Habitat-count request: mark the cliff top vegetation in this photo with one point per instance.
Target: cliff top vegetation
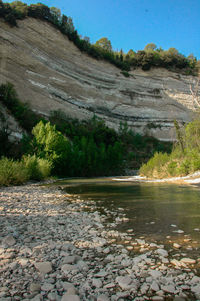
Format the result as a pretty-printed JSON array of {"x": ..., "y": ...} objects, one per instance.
[{"x": 151, "y": 56}]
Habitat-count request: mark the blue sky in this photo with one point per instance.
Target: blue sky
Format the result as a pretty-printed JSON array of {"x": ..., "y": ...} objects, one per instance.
[{"x": 131, "y": 24}]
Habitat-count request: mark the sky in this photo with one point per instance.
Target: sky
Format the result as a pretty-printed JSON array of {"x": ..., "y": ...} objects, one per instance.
[{"x": 132, "y": 24}]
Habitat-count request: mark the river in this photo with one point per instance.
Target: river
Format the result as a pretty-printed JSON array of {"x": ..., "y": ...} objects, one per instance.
[{"x": 156, "y": 212}]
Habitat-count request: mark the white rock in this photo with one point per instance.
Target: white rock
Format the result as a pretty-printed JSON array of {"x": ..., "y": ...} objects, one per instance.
[
  {"x": 176, "y": 262},
  {"x": 188, "y": 260},
  {"x": 162, "y": 252},
  {"x": 178, "y": 231},
  {"x": 177, "y": 246}
]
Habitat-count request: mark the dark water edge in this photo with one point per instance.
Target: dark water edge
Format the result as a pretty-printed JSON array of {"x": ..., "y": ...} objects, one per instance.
[{"x": 156, "y": 212}]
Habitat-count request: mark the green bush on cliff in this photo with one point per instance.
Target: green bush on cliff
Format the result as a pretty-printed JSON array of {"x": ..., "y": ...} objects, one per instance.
[{"x": 147, "y": 58}]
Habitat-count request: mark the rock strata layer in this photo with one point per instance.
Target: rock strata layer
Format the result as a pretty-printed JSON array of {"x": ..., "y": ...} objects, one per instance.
[{"x": 51, "y": 73}]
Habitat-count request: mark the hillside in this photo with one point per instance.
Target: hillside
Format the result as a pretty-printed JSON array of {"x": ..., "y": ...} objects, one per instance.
[{"x": 51, "y": 73}]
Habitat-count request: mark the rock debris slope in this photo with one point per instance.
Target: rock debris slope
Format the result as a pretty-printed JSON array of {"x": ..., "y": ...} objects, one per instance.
[{"x": 50, "y": 73}]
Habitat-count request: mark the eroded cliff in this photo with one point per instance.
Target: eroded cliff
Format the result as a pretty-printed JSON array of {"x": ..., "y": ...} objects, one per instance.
[{"x": 50, "y": 73}]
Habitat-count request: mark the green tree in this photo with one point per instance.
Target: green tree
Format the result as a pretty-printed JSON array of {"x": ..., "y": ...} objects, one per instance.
[
  {"x": 150, "y": 47},
  {"x": 50, "y": 144},
  {"x": 104, "y": 43}
]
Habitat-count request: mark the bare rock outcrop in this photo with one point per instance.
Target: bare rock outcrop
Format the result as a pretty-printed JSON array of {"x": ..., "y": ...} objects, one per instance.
[{"x": 50, "y": 73}]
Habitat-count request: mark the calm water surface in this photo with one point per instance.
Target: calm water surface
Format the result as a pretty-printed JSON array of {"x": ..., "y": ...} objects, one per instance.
[{"x": 152, "y": 208}]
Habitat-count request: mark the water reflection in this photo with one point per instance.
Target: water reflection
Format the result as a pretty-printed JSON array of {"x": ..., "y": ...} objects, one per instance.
[{"x": 151, "y": 208}]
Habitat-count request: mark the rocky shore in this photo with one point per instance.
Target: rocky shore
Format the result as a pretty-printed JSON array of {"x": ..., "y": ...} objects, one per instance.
[{"x": 54, "y": 246}]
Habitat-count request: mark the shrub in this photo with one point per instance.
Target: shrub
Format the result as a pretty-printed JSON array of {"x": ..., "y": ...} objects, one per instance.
[
  {"x": 12, "y": 172},
  {"x": 37, "y": 168}
]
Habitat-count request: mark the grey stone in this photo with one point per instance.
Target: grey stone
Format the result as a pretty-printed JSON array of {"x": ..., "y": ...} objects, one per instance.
[
  {"x": 69, "y": 259},
  {"x": 43, "y": 267},
  {"x": 124, "y": 282},
  {"x": 97, "y": 283},
  {"x": 67, "y": 297},
  {"x": 154, "y": 286},
  {"x": 69, "y": 267},
  {"x": 47, "y": 287},
  {"x": 9, "y": 241},
  {"x": 102, "y": 298},
  {"x": 35, "y": 287},
  {"x": 155, "y": 274},
  {"x": 168, "y": 288}
]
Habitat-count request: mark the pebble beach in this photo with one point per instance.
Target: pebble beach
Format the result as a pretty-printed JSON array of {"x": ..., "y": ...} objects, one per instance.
[{"x": 55, "y": 246}]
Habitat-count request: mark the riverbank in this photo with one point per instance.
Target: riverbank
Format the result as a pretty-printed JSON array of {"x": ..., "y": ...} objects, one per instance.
[
  {"x": 55, "y": 246},
  {"x": 193, "y": 179}
]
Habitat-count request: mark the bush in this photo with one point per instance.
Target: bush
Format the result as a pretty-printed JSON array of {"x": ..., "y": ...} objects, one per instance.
[
  {"x": 12, "y": 172},
  {"x": 37, "y": 168}
]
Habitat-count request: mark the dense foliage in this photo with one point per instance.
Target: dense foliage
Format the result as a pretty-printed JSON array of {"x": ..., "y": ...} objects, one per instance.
[
  {"x": 69, "y": 147},
  {"x": 183, "y": 160},
  {"x": 151, "y": 56},
  {"x": 22, "y": 113}
]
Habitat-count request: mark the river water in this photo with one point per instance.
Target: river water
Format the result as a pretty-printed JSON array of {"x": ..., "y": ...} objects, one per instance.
[{"x": 162, "y": 213}]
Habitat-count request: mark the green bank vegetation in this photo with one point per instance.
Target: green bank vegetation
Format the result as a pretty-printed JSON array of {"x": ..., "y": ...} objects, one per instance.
[
  {"x": 183, "y": 160},
  {"x": 66, "y": 147},
  {"x": 151, "y": 56}
]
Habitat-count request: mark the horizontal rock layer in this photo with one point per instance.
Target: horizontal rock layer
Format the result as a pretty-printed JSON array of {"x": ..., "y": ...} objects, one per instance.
[{"x": 51, "y": 73}]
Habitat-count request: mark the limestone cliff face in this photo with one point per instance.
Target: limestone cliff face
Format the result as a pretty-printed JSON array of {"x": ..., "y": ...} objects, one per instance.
[{"x": 50, "y": 73}]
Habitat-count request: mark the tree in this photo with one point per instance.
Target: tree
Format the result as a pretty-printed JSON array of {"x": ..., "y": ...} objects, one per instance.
[
  {"x": 150, "y": 47},
  {"x": 104, "y": 43},
  {"x": 55, "y": 15},
  {"x": 21, "y": 9},
  {"x": 50, "y": 144}
]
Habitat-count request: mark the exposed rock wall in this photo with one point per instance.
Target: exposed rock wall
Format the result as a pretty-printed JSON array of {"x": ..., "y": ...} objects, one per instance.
[{"x": 50, "y": 73}]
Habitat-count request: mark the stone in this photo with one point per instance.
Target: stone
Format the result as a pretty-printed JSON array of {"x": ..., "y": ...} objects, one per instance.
[
  {"x": 69, "y": 267},
  {"x": 162, "y": 252},
  {"x": 124, "y": 282},
  {"x": 35, "y": 287},
  {"x": 102, "y": 298},
  {"x": 100, "y": 274},
  {"x": 69, "y": 259},
  {"x": 67, "y": 297},
  {"x": 157, "y": 298},
  {"x": 188, "y": 260},
  {"x": 168, "y": 288},
  {"x": 97, "y": 283},
  {"x": 154, "y": 286},
  {"x": 155, "y": 274},
  {"x": 53, "y": 297},
  {"x": 196, "y": 289},
  {"x": 47, "y": 287},
  {"x": 66, "y": 285},
  {"x": 43, "y": 267},
  {"x": 177, "y": 246},
  {"x": 9, "y": 241}
]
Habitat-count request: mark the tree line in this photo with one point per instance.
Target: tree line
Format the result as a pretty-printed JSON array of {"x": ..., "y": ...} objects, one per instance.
[{"x": 151, "y": 56}]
